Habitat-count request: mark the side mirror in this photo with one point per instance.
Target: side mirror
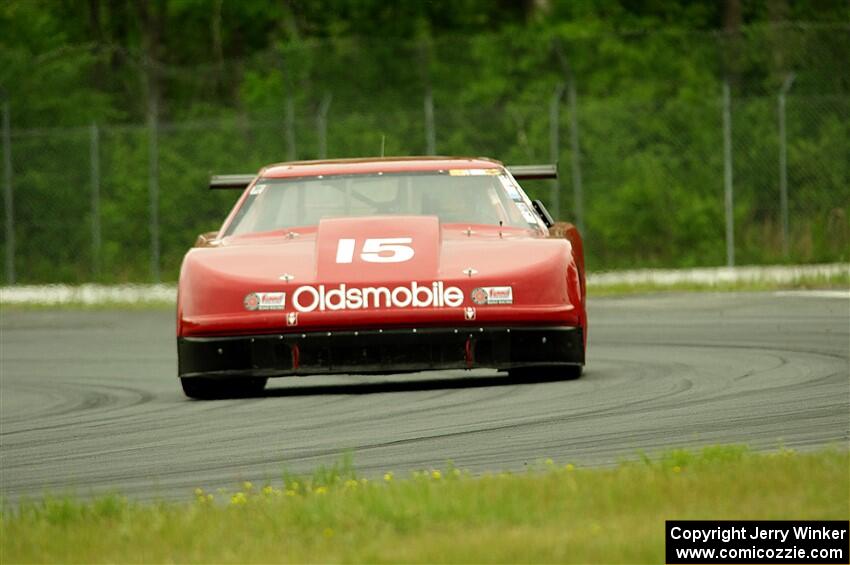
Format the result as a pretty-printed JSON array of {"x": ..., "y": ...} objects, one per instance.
[
  {"x": 206, "y": 239},
  {"x": 543, "y": 213}
]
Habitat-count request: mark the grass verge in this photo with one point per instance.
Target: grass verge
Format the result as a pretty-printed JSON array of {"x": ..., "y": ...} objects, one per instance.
[
  {"x": 555, "y": 513},
  {"x": 832, "y": 282}
]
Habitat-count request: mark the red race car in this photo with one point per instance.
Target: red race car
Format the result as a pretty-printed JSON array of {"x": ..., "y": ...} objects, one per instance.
[{"x": 386, "y": 265}]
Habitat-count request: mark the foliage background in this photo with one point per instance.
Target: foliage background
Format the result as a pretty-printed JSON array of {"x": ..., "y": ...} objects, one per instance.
[{"x": 225, "y": 86}]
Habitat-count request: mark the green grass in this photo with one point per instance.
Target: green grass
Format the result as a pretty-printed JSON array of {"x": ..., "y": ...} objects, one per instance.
[{"x": 553, "y": 513}]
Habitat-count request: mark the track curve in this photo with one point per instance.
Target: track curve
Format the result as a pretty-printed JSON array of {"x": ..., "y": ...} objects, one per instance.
[{"x": 89, "y": 401}]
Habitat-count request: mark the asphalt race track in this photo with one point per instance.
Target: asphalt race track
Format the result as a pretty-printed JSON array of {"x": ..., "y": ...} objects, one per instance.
[{"x": 89, "y": 400}]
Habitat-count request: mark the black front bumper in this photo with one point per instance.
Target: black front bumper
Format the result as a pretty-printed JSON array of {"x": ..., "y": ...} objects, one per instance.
[{"x": 379, "y": 351}]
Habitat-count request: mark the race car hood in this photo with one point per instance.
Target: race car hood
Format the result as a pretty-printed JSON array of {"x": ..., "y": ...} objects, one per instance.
[{"x": 371, "y": 272}]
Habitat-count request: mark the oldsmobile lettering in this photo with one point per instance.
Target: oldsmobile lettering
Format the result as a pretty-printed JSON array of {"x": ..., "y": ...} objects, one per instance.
[{"x": 309, "y": 298}]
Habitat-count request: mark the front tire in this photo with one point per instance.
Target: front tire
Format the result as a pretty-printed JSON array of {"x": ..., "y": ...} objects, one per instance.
[{"x": 208, "y": 389}]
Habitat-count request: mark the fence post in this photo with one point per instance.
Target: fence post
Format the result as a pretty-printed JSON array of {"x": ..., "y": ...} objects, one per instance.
[
  {"x": 94, "y": 160},
  {"x": 322, "y": 124},
  {"x": 153, "y": 186},
  {"x": 289, "y": 125},
  {"x": 555, "y": 147},
  {"x": 575, "y": 153},
  {"x": 727, "y": 175},
  {"x": 8, "y": 197},
  {"x": 430, "y": 134},
  {"x": 783, "y": 163}
]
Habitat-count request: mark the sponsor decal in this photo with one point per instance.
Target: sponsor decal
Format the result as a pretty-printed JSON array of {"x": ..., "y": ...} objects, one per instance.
[
  {"x": 251, "y": 301},
  {"x": 479, "y": 296},
  {"x": 469, "y": 313},
  {"x": 257, "y": 189},
  {"x": 414, "y": 295},
  {"x": 527, "y": 213},
  {"x": 510, "y": 188},
  {"x": 265, "y": 301},
  {"x": 292, "y": 319},
  {"x": 493, "y": 295},
  {"x": 473, "y": 172}
]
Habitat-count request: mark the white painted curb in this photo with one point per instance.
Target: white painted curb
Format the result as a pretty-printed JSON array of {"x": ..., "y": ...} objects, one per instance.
[
  {"x": 95, "y": 294},
  {"x": 89, "y": 294},
  {"x": 781, "y": 274}
]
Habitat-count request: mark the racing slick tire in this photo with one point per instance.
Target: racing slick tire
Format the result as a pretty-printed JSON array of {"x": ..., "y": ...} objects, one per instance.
[
  {"x": 202, "y": 388},
  {"x": 554, "y": 373}
]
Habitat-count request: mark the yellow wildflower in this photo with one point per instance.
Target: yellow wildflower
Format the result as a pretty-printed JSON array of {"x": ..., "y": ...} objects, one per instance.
[
  {"x": 436, "y": 474},
  {"x": 247, "y": 485},
  {"x": 388, "y": 476},
  {"x": 290, "y": 492},
  {"x": 199, "y": 491},
  {"x": 322, "y": 490},
  {"x": 238, "y": 498},
  {"x": 267, "y": 490},
  {"x": 570, "y": 467},
  {"x": 677, "y": 469}
]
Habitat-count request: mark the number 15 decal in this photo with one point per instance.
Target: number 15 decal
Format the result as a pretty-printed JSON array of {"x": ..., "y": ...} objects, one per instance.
[{"x": 380, "y": 250}]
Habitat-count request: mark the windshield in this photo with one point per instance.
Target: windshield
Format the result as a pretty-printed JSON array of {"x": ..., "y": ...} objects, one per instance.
[{"x": 462, "y": 196}]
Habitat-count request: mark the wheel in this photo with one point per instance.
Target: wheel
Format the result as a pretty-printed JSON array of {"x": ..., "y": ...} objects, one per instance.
[
  {"x": 207, "y": 389},
  {"x": 547, "y": 373}
]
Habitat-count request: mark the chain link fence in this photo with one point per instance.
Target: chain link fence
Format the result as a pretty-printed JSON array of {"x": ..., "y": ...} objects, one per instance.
[{"x": 645, "y": 176}]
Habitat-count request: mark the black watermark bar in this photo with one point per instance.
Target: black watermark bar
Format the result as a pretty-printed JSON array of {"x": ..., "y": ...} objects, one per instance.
[{"x": 753, "y": 541}]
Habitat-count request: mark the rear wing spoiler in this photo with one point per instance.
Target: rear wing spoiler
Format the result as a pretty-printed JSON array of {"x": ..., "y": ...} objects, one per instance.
[
  {"x": 230, "y": 181},
  {"x": 519, "y": 172},
  {"x": 533, "y": 172}
]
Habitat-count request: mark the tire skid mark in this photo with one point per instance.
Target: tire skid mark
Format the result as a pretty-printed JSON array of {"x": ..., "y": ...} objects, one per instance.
[
  {"x": 131, "y": 429},
  {"x": 734, "y": 346},
  {"x": 102, "y": 402}
]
